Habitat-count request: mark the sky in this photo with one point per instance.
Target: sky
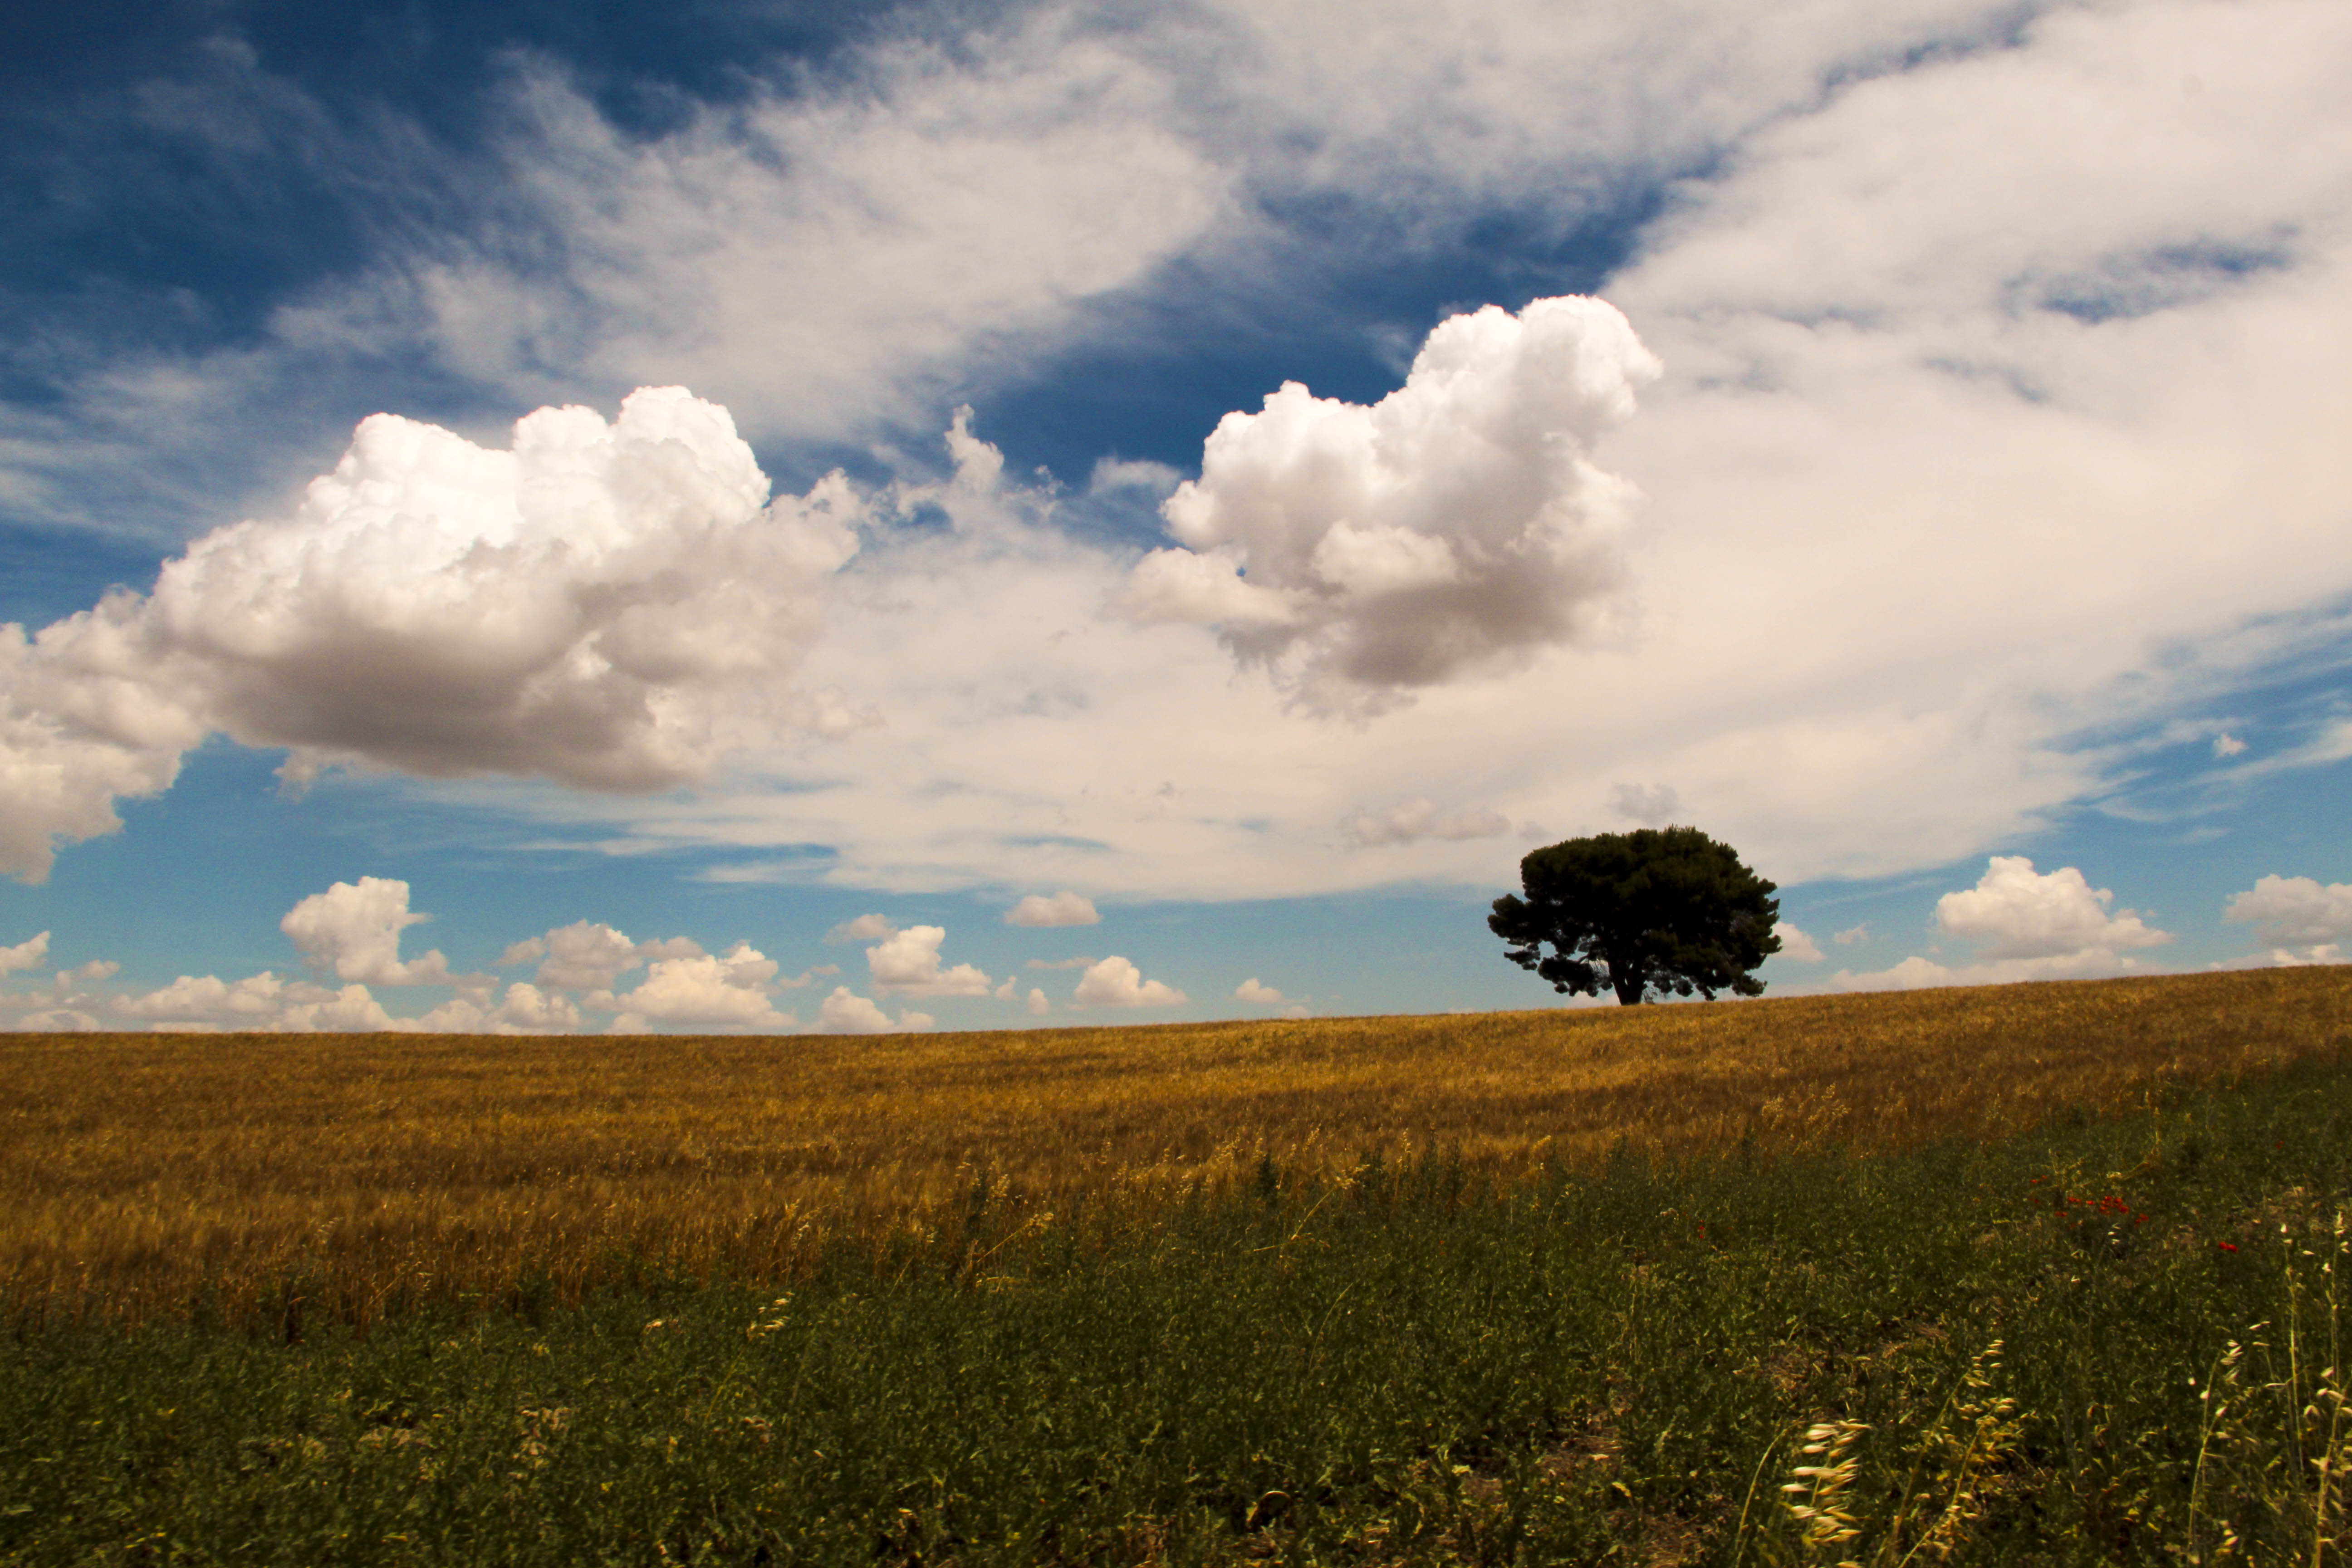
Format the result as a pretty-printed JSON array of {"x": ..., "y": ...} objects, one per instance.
[{"x": 762, "y": 516}]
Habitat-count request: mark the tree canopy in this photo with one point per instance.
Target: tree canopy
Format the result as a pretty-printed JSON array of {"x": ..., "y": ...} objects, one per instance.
[{"x": 1657, "y": 911}]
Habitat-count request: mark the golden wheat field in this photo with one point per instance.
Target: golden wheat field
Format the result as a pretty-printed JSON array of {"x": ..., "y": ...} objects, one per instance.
[{"x": 139, "y": 1173}]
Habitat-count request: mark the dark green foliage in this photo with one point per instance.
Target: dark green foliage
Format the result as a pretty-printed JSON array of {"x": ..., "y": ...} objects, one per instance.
[
  {"x": 1613, "y": 1363},
  {"x": 1660, "y": 910}
]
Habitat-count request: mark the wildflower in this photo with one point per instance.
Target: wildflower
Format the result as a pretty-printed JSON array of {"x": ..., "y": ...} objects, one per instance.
[{"x": 2226, "y": 1247}]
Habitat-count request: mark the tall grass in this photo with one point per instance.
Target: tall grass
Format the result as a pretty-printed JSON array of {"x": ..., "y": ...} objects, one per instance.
[
  {"x": 2112, "y": 1340},
  {"x": 143, "y": 1174}
]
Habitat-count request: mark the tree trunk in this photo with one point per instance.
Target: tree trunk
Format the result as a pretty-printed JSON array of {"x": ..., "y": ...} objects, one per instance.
[{"x": 1628, "y": 984}]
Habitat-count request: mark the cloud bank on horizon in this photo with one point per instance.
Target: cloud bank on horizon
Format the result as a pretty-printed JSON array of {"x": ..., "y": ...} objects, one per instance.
[
  {"x": 352, "y": 932},
  {"x": 1955, "y": 437},
  {"x": 2020, "y": 924}
]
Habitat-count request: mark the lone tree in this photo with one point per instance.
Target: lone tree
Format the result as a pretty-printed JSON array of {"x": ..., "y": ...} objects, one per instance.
[{"x": 1658, "y": 910}]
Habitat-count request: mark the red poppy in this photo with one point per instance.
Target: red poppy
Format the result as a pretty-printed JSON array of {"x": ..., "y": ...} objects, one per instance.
[{"x": 2225, "y": 1247}]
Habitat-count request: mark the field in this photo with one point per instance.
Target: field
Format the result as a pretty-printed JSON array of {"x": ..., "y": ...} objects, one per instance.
[
  {"x": 2036, "y": 1274},
  {"x": 143, "y": 1174}
]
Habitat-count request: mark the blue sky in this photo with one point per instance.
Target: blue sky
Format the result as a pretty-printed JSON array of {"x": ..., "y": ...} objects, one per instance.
[{"x": 1148, "y": 512}]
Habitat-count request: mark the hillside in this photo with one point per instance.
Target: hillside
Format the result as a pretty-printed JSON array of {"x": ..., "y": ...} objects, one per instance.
[{"x": 139, "y": 1173}]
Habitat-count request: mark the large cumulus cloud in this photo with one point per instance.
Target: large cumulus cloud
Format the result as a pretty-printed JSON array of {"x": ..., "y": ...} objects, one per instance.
[
  {"x": 2023, "y": 924},
  {"x": 2298, "y": 919},
  {"x": 353, "y": 930},
  {"x": 1456, "y": 526},
  {"x": 607, "y": 605}
]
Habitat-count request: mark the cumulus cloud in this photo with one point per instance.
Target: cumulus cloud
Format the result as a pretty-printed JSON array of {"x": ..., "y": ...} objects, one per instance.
[
  {"x": 1795, "y": 946},
  {"x": 28, "y": 955},
  {"x": 1062, "y": 908},
  {"x": 257, "y": 1002},
  {"x": 1852, "y": 934},
  {"x": 1115, "y": 983},
  {"x": 352, "y": 929},
  {"x": 528, "y": 1007},
  {"x": 909, "y": 963},
  {"x": 2298, "y": 917},
  {"x": 608, "y": 605},
  {"x": 89, "y": 714},
  {"x": 2024, "y": 925},
  {"x": 1038, "y": 1004},
  {"x": 847, "y": 1013},
  {"x": 1261, "y": 995},
  {"x": 63, "y": 1004},
  {"x": 724, "y": 991},
  {"x": 1452, "y": 529},
  {"x": 585, "y": 956},
  {"x": 1417, "y": 819},
  {"x": 267, "y": 1003},
  {"x": 864, "y": 927},
  {"x": 2016, "y": 912},
  {"x": 1945, "y": 288}
]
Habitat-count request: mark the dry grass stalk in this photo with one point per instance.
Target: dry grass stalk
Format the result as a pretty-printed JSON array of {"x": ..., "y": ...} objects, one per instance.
[{"x": 138, "y": 1172}]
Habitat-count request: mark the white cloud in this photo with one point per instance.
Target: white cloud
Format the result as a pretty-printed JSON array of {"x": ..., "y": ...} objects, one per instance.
[
  {"x": 727, "y": 991},
  {"x": 29, "y": 954},
  {"x": 864, "y": 927},
  {"x": 1416, "y": 820},
  {"x": 528, "y": 1007},
  {"x": 88, "y": 714},
  {"x": 1038, "y": 1004},
  {"x": 208, "y": 999},
  {"x": 353, "y": 930},
  {"x": 260, "y": 1002},
  {"x": 1452, "y": 529},
  {"x": 2024, "y": 925},
  {"x": 2296, "y": 912},
  {"x": 1064, "y": 908},
  {"x": 1918, "y": 973},
  {"x": 60, "y": 1005},
  {"x": 2226, "y": 745},
  {"x": 1262, "y": 995},
  {"x": 2015, "y": 912},
  {"x": 1956, "y": 290},
  {"x": 1119, "y": 474},
  {"x": 611, "y": 606},
  {"x": 814, "y": 257},
  {"x": 62, "y": 1020},
  {"x": 585, "y": 956},
  {"x": 847, "y": 1013},
  {"x": 1795, "y": 947},
  {"x": 1651, "y": 805},
  {"x": 1115, "y": 983},
  {"x": 909, "y": 963},
  {"x": 1852, "y": 934}
]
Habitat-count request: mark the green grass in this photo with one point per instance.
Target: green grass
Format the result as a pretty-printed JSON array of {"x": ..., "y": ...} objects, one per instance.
[{"x": 1618, "y": 1362}]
